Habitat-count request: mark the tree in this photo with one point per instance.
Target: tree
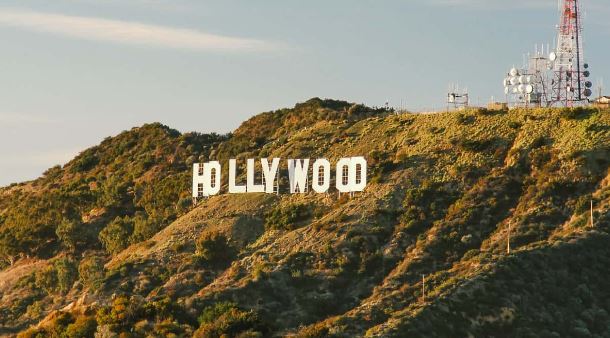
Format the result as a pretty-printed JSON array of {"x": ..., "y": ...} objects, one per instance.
[
  {"x": 69, "y": 234},
  {"x": 66, "y": 274},
  {"x": 115, "y": 236},
  {"x": 9, "y": 250}
]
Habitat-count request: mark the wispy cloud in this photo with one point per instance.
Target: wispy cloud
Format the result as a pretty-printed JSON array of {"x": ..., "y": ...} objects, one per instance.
[{"x": 127, "y": 32}]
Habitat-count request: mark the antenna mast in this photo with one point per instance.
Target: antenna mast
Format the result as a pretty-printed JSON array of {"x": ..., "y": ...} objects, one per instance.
[
  {"x": 423, "y": 287},
  {"x": 570, "y": 85}
]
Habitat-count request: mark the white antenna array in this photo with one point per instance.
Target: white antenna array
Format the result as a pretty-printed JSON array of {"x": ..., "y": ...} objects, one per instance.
[
  {"x": 457, "y": 98},
  {"x": 553, "y": 76}
]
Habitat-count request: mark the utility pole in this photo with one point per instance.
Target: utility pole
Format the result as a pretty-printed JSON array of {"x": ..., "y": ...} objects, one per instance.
[
  {"x": 592, "y": 214},
  {"x": 508, "y": 240},
  {"x": 423, "y": 288}
]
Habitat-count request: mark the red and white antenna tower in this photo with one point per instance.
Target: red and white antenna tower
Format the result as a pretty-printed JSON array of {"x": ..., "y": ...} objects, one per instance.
[{"x": 570, "y": 85}]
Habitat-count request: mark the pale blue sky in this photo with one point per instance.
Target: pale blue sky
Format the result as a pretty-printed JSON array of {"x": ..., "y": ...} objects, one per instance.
[{"x": 75, "y": 71}]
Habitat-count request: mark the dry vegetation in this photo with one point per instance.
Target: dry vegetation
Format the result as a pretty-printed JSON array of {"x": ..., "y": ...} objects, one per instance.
[{"x": 115, "y": 248}]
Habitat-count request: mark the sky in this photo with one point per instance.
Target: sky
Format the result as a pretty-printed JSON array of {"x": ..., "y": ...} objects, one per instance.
[{"x": 73, "y": 72}]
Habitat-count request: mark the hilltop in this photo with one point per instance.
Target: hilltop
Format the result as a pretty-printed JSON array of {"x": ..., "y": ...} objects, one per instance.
[{"x": 111, "y": 243}]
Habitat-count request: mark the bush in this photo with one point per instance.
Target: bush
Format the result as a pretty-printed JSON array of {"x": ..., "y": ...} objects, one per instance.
[
  {"x": 81, "y": 328},
  {"x": 58, "y": 277},
  {"x": 59, "y": 323},
  {"x": 86, "y": 161},
  {"x": 576, "y": 113},
  {"x": 91, "y": 271},
  {"x": 226, "y": 320},
  {"x": 120, "y": 315},
  {"x": 46, "y": 279},
  {"x": 470, "y": 254},
  {"x": 464, "y": 119},
  {"x": 144, "y": 228},
  {"x": 315, "y": 331},
  {"x": 115, "y": 236},
  {"x": 210, "y": 313},
  {"x": 33, "y": 333},
  {"x": 69, "y": 234},
  {"x": 215, "y": 249},
  {"x": 476, "y": 145},
  {"x": 287, "y": 217},
  {"x": 66, "y": 274}
]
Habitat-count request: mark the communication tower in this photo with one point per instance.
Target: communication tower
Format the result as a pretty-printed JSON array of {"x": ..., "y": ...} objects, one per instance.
[
  {"x": 559, "y": 78},
  {"x": 570, "y": 84},
  {"x": 528, "y": 86},
  {"x": 457, "y": 99}
]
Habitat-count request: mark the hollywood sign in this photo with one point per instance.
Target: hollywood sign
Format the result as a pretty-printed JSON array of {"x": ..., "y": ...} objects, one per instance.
[{"x": 350, "y": 176}]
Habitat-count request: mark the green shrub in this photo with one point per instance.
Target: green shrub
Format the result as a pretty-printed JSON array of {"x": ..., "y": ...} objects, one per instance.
[
  {"x": 57, "y": 277},
  {"x": 66, "y": 274},
  {"x": 91, "y": 271},
  {"x": 470, "y": 254},
  {"x": 287, "y": 217},
  {"x": 69, "y": 234},
  {"x": 315, "y": 331},
  {"x": 464, "y": 119},
  {"x": 46, "y": 279},
  {"x": 115, "y": 236},
  {"x": 576, "y": 113},
  {"x": 33, "y": 333},
  {"x": 476, "y": 145},
  {"x": 59, "y": 323},
  {"x": 84, "y": 162},
  {"x": 144, "y": 228},
  {"x": 210, "y": 313},
  {"x": 83, "y": 327},
  {"x": 226, "y": 320},
  {"x": 120, "y": 315},
  {"x": 215, "y": 249}
]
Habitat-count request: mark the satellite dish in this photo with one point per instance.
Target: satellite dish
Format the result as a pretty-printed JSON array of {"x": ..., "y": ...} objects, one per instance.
[
  {"x": 514, "y": 80},
  {"x": 514, "y": 72},
  {"x": 553, "y": 56},
  {"x": 588, "y": 84},
  {"x": 522, "y": 79},
  {"x": 586, "y": 65},
  {"x": 529, "y": 89},
  {"x": 515, "y": 90},
  {"x": 521, "y": 88},
  {"x": 586, "y": 73},
  {"x": 588, "y": 92}
]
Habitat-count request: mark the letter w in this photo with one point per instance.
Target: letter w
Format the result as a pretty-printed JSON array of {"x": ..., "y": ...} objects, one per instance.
[{"x": 297, "y": 174}]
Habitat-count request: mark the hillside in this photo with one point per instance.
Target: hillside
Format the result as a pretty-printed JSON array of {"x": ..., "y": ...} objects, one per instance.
[{"x": 110, "y": 242}]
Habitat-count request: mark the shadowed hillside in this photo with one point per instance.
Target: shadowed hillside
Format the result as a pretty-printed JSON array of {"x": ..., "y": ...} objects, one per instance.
[{"x": 110, "y": 243}]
